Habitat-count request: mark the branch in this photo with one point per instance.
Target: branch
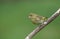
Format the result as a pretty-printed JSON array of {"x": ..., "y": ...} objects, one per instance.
[{"x": 36, "y": 30}]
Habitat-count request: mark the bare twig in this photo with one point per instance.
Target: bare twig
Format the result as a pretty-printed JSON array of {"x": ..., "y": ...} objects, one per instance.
[{"x": 36, "y": 30}]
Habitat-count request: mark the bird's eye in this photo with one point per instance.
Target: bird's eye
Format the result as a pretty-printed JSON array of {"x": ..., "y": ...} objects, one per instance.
[{"x": 30, "y": 15}]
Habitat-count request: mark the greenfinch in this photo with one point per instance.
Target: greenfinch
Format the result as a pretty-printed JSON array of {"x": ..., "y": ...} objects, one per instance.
[{"x": 36, "y": 19}]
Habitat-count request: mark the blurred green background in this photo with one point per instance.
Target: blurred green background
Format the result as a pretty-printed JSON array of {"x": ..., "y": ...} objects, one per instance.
[{"x": 14, "y": 22}]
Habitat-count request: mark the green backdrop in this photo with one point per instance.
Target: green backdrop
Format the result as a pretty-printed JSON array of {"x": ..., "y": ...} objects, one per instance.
[{"x": 14, "y": 22}]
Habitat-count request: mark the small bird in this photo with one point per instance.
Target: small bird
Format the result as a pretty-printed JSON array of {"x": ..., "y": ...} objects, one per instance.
[{"x": 36, "y": 19}]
